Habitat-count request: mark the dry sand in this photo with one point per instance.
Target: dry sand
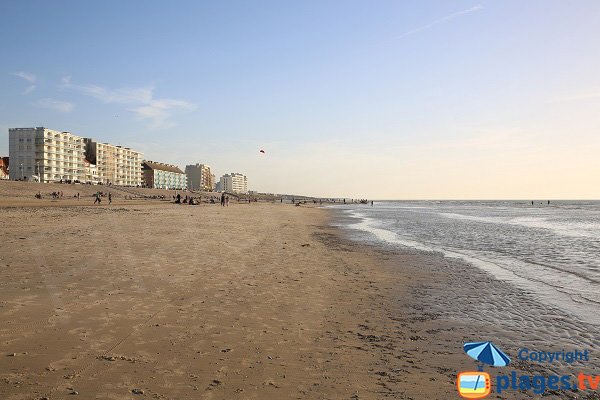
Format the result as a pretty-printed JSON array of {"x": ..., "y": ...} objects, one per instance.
[
  {"x": 259, "y": 301},
  {"x": 187, "y": 302}
]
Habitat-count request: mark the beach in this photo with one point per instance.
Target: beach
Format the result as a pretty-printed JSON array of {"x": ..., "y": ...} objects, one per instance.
[
  {"x": 148, "y": 299},
  {"x": 248, "y": 301}
]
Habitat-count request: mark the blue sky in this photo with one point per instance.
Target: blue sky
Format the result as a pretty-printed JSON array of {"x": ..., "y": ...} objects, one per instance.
[{"x": 385, "y": 99}]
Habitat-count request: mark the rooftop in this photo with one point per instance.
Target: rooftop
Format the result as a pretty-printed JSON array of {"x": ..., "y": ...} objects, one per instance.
[{"x": 161, "y": 166}]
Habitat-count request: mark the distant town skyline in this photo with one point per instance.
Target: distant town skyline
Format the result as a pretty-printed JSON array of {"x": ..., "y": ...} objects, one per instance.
[{"x": 386, "y": 100}]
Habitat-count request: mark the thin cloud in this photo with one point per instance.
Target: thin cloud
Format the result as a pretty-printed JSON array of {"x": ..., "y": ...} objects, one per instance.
[
  {"x": 26, "y": 76},
  {"x": 157, "y": 112},
  {"x": 29, "y": 89},
  {"x": 31, "y": 78},
  {"x": 442, "y": 20},
  {"x": 56, "y": 105},
  {"x": 121, "y": 96}
]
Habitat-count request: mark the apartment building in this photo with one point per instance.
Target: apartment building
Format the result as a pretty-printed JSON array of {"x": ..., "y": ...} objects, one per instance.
[
  {"x": 199, "y": 177},
  {"x": 234, "y": 183},
  {"x": 90, "y": 172},
  {"x": 45, "y": 155},
  {"x": 115, "y": 165},
  {"x": 163, "y": 176}
]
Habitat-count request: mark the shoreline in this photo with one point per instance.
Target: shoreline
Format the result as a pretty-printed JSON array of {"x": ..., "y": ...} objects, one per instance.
[
  {"x": 480, "y": 307},
  {"x": 251, "y": 301}
]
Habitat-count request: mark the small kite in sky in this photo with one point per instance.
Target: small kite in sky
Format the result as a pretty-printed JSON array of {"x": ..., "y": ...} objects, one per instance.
[{"x": 262, "y": 151}]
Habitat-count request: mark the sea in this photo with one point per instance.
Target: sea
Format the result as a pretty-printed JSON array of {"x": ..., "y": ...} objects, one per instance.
[{"x": 550, "y": 250}]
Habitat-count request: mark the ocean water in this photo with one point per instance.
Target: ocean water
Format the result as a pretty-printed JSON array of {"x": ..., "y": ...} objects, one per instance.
[{"x": 550, "y": 251}]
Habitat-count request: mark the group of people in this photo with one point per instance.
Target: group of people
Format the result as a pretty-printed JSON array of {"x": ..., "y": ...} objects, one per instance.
[
  {"x": 224, "y": 200},
  {"x": 98, "y": 197},
  {"x": 59, "y": 195},
  {"x": 192, "y": 201},
  {"x": 541, "y": 203},
  {"x": 55, "y": 195}
]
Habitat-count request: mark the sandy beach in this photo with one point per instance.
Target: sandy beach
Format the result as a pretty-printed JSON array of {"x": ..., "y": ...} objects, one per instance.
[
  {"x": 180, "y": 302},
  {"x": 150, "y": 299}
]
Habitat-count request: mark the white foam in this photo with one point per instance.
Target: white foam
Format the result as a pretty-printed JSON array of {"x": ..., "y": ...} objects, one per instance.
[{"x": 547, "y": 284}]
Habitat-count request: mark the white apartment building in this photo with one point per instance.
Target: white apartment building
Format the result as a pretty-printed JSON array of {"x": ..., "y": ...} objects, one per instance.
[
  {"x": 45, "y": 155},
  {"x": 234, "y": 183},
  {"x": 48, "y": 156},
  {"x": 199, "y": 177},
  {"x": 116, "y": 165},
  {"x": 90, "y": 173}
]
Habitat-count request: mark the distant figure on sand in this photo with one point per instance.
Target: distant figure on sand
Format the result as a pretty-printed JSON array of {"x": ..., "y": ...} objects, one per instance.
[
  {"x": 178, "y": 199},
  {"x": 531, "y": 202},
  {"x": 227, "y": 201},
  {"x": 223, "y": 199},
  {"x": 109, "y": 199},
  {"x": 98, "y": 199},
  {"x": 371, "y": 203}
]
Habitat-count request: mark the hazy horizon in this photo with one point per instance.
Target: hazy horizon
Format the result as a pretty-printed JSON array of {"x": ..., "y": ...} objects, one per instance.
[{"x": 436, "y": 100}]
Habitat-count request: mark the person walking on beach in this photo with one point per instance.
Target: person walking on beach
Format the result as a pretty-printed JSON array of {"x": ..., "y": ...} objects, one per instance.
[
  {"x": 97, "y": 200},
  {"x": 227, "y": 201},
  {"x": 77, "y": 195},
  {"x": 223, "y": 199},
  {"x": 109, "y": 198}
]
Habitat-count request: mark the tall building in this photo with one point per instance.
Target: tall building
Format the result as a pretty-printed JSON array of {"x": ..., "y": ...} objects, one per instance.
[
  {"x": 234, "y": 183},
  {"x": 90, "y": 172},
  {"x": 45, "y": 155},
  {"x": 199, "y": 177},
  {"x": 49, "y": 156},
  {"x": 163, "y": 176},
  {"x": 115, "y": 165}
]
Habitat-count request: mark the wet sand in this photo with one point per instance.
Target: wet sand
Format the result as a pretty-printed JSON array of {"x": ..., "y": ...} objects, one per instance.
[{"x": 258, "y": 301}]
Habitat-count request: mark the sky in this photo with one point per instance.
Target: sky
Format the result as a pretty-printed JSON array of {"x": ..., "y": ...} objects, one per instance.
[{"x": 360, "y": 99}]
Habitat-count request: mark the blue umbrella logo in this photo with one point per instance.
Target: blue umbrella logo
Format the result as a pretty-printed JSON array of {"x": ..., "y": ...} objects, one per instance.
[{"x": 486, "y": 353}]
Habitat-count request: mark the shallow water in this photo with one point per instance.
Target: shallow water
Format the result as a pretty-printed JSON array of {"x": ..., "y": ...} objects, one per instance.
[{"x": 551, "y": 251}]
